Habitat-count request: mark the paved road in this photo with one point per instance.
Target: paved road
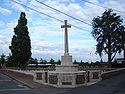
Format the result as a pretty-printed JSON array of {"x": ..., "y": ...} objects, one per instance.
[
  {"x": 7, "y": 84},
  {"x": 115, "y": 85}
]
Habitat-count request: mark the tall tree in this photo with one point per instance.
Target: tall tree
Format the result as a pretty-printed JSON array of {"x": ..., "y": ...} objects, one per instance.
[
  {"x": 41, "y": 60},
  {"x": 105, "y": 29},
  {"x": 20, "y": 44},
  {"x": 10, "y": 62},
  {"x": 2, "y": 60},
  {"x": 52, "y": 61},
  {"x": 59, "y": 61},
  {"x": 121, "y": 40}
]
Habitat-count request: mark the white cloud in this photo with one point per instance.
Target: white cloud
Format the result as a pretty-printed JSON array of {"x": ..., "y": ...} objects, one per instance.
[
  {"x": 43, "y": 28},
  {"x": 2, "y": 24},
  {"x": 86, "y": 54},
  {"x": 8, "y": 31},
  {"x": 12, "y": 24},
  {"x": 46, "y": 50},
  {"x": 18, "y": 7},
  {"x": 116, "y": 5},
  {"x": 44, "y": 46},
  {"x": 42, "y": 32},
  {"x": 4, "y": 45},
  {"x": 4, "y": 11},
  {"x": 23, "y": 1},
  {"x": 84, "y": 13}
]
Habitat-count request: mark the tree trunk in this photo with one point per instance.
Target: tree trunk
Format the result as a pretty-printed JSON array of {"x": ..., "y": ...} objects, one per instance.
[
  {"x": 109, "y": 58},
  {"x": 109, "y": 50}
]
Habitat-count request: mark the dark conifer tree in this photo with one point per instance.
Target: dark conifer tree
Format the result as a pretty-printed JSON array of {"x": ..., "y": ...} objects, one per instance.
[{"x": 20, "y": 44}]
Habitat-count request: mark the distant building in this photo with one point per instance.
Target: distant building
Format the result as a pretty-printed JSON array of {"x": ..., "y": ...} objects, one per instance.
[
  {"x": 40, "y": 65},
  {"x": 120, "y": 60}
]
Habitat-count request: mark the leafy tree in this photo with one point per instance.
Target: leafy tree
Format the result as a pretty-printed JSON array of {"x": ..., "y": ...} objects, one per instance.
[
  {"x": 105, "y": 29},
  {"x": 36, "y": 62},
  {"x": 31, "y": 61},
  {"x": 81, "y": 61},
  {"x": 20, "y": 45},
  {"x": 52, "y": 61},
  {"x": 41, "y": 60},
  {"x": 121, "y": 40},
  {"x": 2, "y": 59},
  {"x": 45, "y": 62},
  {"x": 75, "y": 62},
  {"x": 59, "y": 61},
  {"x": 10, "y": 62}
]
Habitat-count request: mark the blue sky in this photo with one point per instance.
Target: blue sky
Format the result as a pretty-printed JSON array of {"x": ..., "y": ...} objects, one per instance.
[{"x": 45, "y": 33}]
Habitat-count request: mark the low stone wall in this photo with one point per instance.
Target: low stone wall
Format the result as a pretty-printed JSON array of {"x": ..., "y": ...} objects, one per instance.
[
  {"x": 34, "y": 69},
  {"x": 94, "y": 75},
  {"x": 41, "y": 77},
  {"x": 67, "y": 79},
  {"x": 23, "y": 77},
  {"x": 13, "y": 73},
  {"x": 100, "y": 69},
  {"x": 64, "y": 79},
  {"x": 109, "y": 74}
]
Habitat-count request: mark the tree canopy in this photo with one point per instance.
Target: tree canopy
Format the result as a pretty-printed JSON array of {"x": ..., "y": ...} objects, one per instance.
[
  {"x": 2, "y": 59},
  {"x": 20, "y": 44},
  {"x": 105, "y": 30}
]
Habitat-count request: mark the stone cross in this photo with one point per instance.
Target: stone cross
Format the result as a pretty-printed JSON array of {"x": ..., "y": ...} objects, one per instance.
[{"x": 66, "y": 53}]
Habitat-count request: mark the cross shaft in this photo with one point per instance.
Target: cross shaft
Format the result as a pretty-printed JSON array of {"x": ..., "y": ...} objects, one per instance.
[{"x": 66, "y": 26}]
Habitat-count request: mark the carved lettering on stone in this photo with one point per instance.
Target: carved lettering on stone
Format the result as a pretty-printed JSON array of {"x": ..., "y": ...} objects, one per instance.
[
  {"x": 67, "y": 78},
  {"x": 95, "y": 75},
  {"x": 38, "y": 76},
  {"x": 80, "y": 79},
  {"x": 53, "y": 79}
]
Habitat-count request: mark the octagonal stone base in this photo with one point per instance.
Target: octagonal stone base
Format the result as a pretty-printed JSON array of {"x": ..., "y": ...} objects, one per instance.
[
  {"x": 66, "y": 65},
  {"x": 67, "y": 79}
]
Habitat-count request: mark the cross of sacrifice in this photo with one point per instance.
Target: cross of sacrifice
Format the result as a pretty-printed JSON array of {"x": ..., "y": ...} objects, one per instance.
[{"x": 66, "y": 26}]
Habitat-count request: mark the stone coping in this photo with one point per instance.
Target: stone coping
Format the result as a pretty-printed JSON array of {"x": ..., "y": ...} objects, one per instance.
[
  {"x": 66, "y": 65},
  {"x": 21, "y": 71},
  {"x": 98, "y": 68},
  {"x": 39, "y": 71},
  {"x": 66, "y": 72},
  {"x": 114, "y": 70},
  {"x": 31, "y": 73},
  {"x": 110, "y": 74}
]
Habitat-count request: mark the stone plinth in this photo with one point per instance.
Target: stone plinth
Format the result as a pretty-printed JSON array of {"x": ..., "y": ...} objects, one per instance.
[
  {"x": 67, "y": 79},
  {"x": 66, "y": 65},
  {"x": 66, "y": 68},
  {"x": 66, "y": 60},
  {"x": 66, "y": 75}
]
